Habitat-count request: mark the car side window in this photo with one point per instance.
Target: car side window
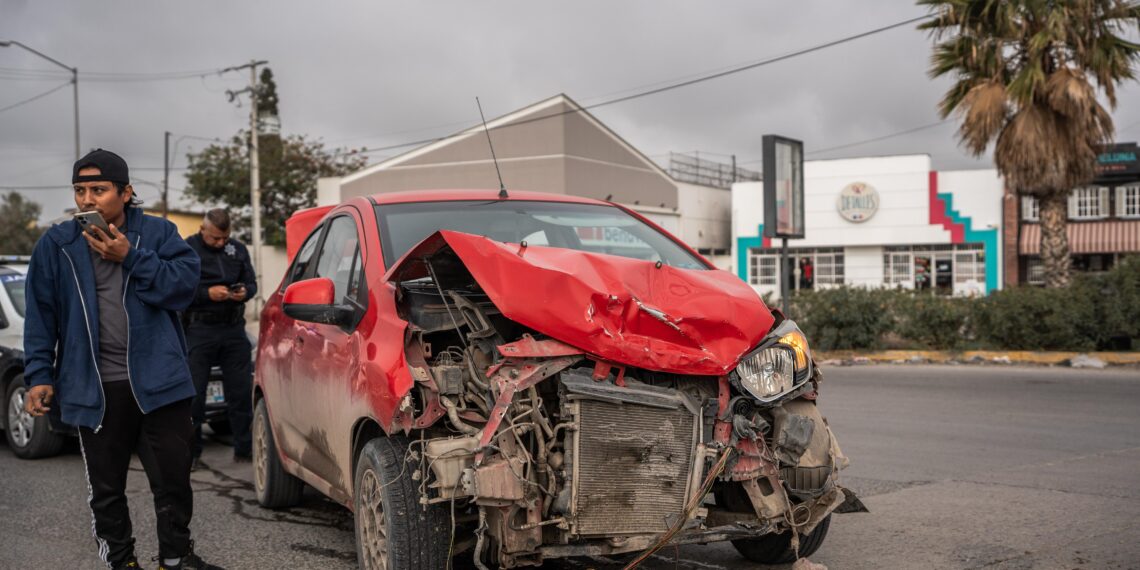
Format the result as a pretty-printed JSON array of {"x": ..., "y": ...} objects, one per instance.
[
  {"x": 339, "y": 259},
  {"x": 304, "y": 258}
]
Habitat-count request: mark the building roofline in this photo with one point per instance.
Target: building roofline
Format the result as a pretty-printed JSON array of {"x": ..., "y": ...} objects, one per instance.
[{"x": 502, "y": 121}]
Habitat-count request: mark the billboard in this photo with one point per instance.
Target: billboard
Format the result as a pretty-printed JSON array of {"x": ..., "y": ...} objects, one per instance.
[{"x": 783, "y": 187}]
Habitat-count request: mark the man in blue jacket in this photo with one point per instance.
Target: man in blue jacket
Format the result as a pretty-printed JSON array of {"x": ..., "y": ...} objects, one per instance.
[{"x": 103, "y": 342}]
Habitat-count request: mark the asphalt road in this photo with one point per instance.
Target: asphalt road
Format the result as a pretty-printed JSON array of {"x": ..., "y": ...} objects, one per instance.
[{"x": 962, "y": 467}]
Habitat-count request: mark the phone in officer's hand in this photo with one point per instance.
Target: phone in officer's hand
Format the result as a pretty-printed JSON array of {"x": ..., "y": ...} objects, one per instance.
[
  {"x": 234, "y": 288},
  {"x": 88, "y": 221}
]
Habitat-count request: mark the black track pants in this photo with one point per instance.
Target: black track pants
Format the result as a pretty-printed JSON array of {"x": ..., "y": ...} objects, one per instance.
[
  {"x": 162, "y": 441},
  {"x": 226, "y": 346}
]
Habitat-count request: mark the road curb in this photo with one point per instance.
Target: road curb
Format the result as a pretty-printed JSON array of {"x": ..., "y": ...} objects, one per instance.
[{"x": 1075, "y": 359}]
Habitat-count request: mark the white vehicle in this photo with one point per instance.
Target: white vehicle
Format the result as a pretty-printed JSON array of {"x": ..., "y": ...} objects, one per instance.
[{"x": 29, "y": 437}]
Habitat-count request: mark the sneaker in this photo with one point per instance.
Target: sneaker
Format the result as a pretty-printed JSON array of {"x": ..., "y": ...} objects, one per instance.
[
  {"x": 191, "y": 561},
  {"x": 132, "y": 564}
]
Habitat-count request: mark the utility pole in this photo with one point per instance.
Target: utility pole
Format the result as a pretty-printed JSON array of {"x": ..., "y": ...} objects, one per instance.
[
  {"x": 254, "y": 167},
  {"x": 74, "y": 81},
  {"x": 166, "y": 175}
]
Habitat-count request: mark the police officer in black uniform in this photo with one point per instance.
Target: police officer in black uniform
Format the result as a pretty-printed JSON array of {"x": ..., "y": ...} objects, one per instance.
[{"x": 215, "y": 328}]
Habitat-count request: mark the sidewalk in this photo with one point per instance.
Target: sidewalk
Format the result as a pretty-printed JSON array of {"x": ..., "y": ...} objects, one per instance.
[{"x": 1074, "y": 359}]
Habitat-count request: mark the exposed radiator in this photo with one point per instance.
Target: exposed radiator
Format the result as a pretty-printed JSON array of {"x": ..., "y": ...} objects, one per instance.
[{"x": 633, "y": 461}]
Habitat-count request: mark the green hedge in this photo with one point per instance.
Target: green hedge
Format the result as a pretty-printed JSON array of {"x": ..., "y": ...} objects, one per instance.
[{"x": 1098, "y": 312}]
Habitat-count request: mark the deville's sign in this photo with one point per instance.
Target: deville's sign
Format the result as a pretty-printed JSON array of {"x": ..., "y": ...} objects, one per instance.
[{"x": 857, "y": 202}]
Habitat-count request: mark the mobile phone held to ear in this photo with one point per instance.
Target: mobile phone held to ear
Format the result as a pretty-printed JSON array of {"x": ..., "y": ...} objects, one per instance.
[{"x": 91, "y": 220}]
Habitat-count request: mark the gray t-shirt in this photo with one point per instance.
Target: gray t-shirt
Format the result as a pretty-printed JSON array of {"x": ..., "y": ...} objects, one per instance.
[{"x": 112, "y": 319}]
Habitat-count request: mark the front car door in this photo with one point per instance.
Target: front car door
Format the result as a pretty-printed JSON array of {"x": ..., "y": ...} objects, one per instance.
[{"x": 326, "y": 358}]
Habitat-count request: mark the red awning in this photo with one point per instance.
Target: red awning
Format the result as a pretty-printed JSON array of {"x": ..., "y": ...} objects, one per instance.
[{"x": 1087, "y": 237}]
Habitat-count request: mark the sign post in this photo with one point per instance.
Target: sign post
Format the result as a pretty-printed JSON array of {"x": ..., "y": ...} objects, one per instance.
[{"x": 783, "y": 199}]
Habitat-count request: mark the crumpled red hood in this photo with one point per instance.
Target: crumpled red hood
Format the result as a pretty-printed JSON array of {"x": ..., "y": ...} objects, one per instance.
[{"x": 622, "y": 310}]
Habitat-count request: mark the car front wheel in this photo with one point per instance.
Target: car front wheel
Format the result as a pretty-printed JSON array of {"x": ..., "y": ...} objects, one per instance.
[
  {"x": 29, "y": 437},
  {"x": 393, "y": 530},
  {"x": 777, "y": 548},
  {"x": 274, "y": 487}
]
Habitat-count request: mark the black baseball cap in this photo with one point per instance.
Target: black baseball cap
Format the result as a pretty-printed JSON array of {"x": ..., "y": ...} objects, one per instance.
[{"x": 112, "y": 168}]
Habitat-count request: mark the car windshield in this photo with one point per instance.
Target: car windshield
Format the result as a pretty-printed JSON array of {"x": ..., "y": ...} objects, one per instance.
[
  {"x": 14, "y": 284},
  {"x": 583, "y": 227}
]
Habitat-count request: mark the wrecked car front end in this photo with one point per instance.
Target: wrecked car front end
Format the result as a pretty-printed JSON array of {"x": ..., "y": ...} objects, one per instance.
[{"x": 568, "y": 403}]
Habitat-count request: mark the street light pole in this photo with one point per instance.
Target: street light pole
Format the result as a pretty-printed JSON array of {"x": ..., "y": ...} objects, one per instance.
[{"x": 74, "y": 82}]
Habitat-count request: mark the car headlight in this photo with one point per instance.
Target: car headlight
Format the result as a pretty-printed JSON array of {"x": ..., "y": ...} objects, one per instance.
[{"x": 779, "y": 365}]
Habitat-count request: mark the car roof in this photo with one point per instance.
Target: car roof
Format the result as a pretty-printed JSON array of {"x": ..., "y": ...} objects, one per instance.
[{"x": 460, "y": 195}]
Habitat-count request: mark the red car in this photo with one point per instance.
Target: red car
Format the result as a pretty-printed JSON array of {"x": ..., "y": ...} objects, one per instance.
[{"x": 532, "y": 376}]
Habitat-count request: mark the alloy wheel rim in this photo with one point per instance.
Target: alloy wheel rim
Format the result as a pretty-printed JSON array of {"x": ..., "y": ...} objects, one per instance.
[
  {"x": 260, "y": 453},
  {"x": 373, "y": 528},
  {"x": 20, "y": 422}
]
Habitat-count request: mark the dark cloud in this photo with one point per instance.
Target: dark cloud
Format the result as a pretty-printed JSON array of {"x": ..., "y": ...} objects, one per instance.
[{"x": 382, "y": 73}]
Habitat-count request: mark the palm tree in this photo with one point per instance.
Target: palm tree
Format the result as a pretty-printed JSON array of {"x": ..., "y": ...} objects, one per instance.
[{"x": 1027, "y": 73}]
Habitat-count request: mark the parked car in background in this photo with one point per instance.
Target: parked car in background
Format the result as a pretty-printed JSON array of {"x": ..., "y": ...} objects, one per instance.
[
  {"x": 533, "y": 376},
  {"x": 31, "y": 437}
]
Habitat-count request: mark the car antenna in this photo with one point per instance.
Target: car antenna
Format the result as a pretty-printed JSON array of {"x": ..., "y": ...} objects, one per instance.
[{"x": 502, "y": 189}]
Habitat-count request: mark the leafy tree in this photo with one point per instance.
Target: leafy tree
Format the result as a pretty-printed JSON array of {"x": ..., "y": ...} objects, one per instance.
[
  {"x": 1027, "y": 74},
  {"x": 18, "y": 228},
  {"x": 289, "y": 169}
]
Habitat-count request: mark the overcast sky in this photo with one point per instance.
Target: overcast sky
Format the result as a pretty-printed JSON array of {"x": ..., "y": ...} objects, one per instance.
[{"x": 371, "y": 74}]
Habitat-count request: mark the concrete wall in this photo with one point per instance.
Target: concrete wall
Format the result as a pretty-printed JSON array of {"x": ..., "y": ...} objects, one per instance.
[
  {"x": 903, "y": 216},
  {"x": 706, "y": 216}
]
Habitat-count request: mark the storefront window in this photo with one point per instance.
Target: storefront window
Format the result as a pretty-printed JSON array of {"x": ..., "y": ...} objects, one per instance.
[
  {"x": 1034, "y": 271},
  {"x": 828, "y": 268},
  {"x": 816, "y": 267},
  {"x": 762, "y": 268},
  {"x": 1089, "y": 203},
  {"x": 1030, "y": 209},
  {"x": 1128, "y": 201},
  {"x": 947, "y": 269}
]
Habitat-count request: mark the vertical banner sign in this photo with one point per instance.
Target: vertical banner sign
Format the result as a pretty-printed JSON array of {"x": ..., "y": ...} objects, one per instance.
[
  {"x": 783, "y": 202},
  {"x": 783, "y": 187}
]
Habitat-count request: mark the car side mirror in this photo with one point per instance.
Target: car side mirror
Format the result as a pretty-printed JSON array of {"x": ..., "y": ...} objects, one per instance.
[{"x": 311, "y": 301}]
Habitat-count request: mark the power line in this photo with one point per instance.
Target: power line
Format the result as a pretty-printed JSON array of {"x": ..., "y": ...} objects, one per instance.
[
  {"x": 30, "y": 99},
  {"x": 48, "y": 187},
  {"x": 680, "y": 84},
  {"x": 107, "y": 76},
  {"x": 877, "y": 139}
]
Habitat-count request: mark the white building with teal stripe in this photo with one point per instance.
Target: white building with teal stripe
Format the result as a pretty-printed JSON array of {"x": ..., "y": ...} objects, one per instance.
[{"x": 879, "y": 222}]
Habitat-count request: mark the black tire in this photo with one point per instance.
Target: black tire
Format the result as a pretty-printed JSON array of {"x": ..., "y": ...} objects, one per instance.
[
  {"x": 777, "y": 548},
  {"x": 29, "y": 437},
  {"x": 393, "y": 530},
  {"x": 274, "y": 487}
]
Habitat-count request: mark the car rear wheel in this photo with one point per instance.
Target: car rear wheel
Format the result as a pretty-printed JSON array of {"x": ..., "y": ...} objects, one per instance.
[
  {"x": 274, "y": 487},
  {"x": 29, "y": 437},
  {"x": 393, "y": 530}
]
